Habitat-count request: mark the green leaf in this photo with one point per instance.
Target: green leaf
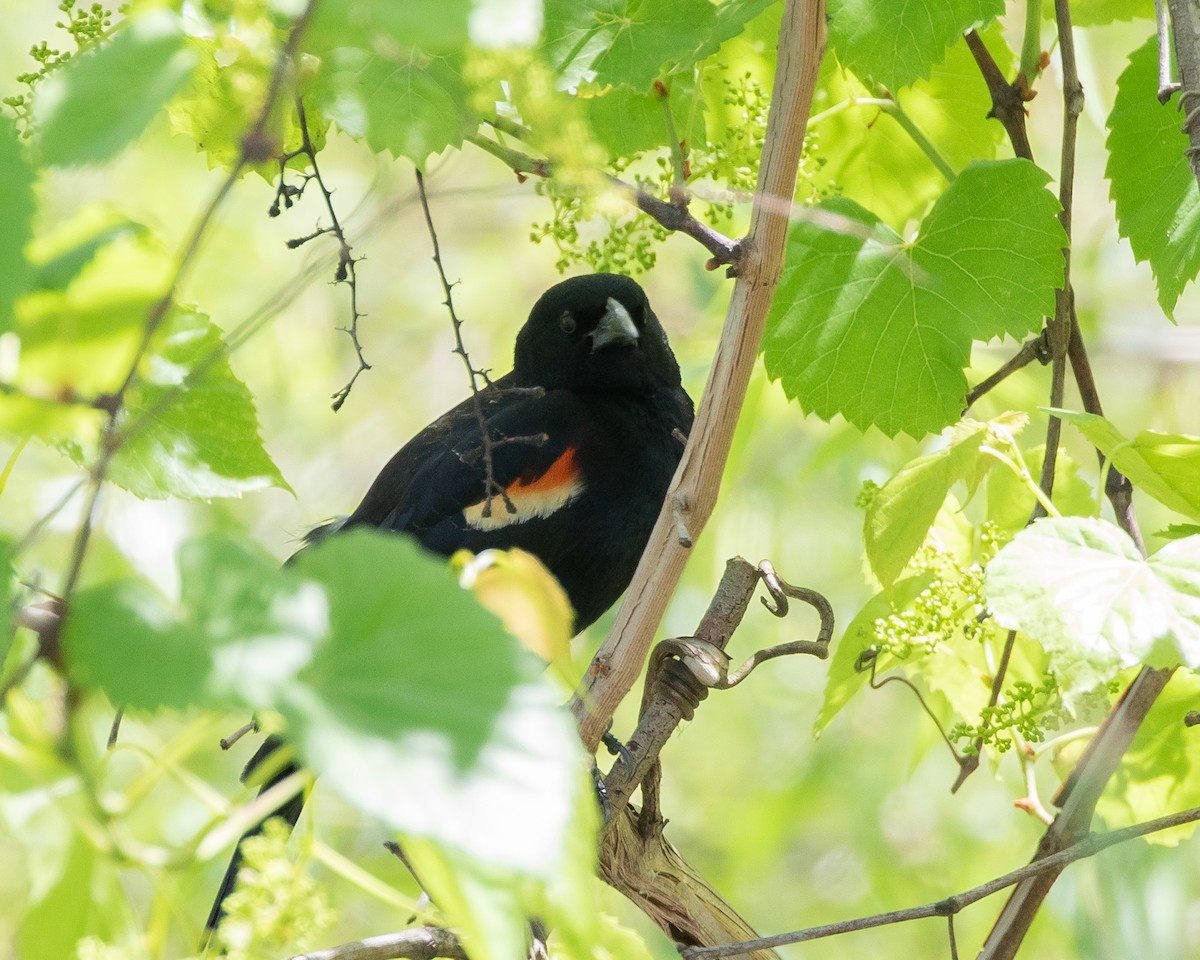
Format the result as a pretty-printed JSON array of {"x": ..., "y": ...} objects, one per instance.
[
  {"x": 78, "y": 903},
  {"x": 431, "y": 691},
  {"x": 242, "y": 629},
  {"x": 225, "y": 97},
  {"x": 1152, "y": 186},
  {"x": 404, "y": 101},
  {"x": 869, "y": 157},
  {"x": 898, "y": 41},
  {"x": 83, "y": 338},
  {"x": 396, "y": 685},
  {"x": 1010, "y": 501},
  {"x": 88, "y": 110},
  {"x": 376, "y": 24},
  {"x": 844, "y": 680},
  {"x": 1177, "y": 531},
  {"x": 16, "y": 213},
  {"x": 194, "y": 429},
  {"x": 1158, "y": 775},
  {"x": 1094, "y": 13},
  {"x": 880, "y": 331},
  {"x": 1080, "y": 588},
  {"x": 625, "y": 121},
  {"x": 629, "y": 42},
  {"x": 59, "y": 257},
  {"x": 904, "y": 508},
  {"x": 1164, "y": 465},
  {"x": 732, "y": 18}
]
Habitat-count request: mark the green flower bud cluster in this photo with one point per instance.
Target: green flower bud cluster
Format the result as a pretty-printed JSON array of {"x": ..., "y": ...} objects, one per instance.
[
  {"x": 277, "y": 909},
  {"x": 87, "y": 28},
  {"x": 1024, "y": 708}
]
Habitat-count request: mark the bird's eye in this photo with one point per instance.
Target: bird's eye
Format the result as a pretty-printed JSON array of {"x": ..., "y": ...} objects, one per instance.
[{"x": 566, "y": 323}]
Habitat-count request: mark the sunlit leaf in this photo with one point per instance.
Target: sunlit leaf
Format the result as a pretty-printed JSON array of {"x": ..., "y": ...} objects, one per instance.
[
  {"x": 844, "y": 679},
  {"x": 1080, "y": 588},
  {"x": 869, "y": 157},
  {"x": 898, "y": 41},
  {"x": 397, "y": 687},
  {"x": 628, "y": 42},
  {"x": 403, "y": 101},
  {"x": 193, "y": 429},
  {"x": 1158, "y": 775},
  {"x": 1152, "y": 185},
  {"x": 903, "y": 509},
  {"x": 80, "y": 902},
  {"x": 517, "y": 588},
  {"x": 879, "y": 331},
  {"x": 1164, "y": 465},
  {"x": 89, "y": 109}
]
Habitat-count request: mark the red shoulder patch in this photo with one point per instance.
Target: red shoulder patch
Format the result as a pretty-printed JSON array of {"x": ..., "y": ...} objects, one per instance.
[{"x": 530, "y": 495}]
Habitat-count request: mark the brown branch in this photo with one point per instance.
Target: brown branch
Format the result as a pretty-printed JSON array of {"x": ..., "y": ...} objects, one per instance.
[
  {"x": 635, "y": 857},
  {"x": 617, "y": 664},
  {"x": 1008, "y": 99},
  {"x": 673, "y": 216},
  {"x": 1087, "y": 846},
  {"x": 420, "y": 943},
  {"x": 1077, "y": 797},
  {"x": 1033, "y": 349},
  {"x": 1187, "y": 53}
]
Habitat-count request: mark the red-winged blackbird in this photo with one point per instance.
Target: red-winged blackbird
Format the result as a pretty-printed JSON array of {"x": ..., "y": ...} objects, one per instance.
[{"x": 585, "y": 434}]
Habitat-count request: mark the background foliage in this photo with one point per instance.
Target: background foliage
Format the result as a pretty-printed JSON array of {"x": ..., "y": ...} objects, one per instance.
[{"x": 225, "y": 457}]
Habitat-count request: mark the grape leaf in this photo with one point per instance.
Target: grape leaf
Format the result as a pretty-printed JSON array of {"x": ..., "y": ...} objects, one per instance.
[
  {"x": 1079, "y": 587},
  {"x": 225, "y": 97},
  {"x": 1151, "y": 183},
  {"x": 404, "y": 101},
  {"x": 1157, "y": 774},
  {"x": 1164, "y": 465},
  {"x": 16, "y": 213},
  {"x": 867, "y": 154},
  {"x": 880, "y": 331},
  {"x": 895, "y": 42},
  {"x": 626, "y": 122},
  {"x": 194, "y": 428},
  {"x": 844, "y": 678},
  {"x": 395, "y": 684},
  {"x": 94, "y": 105},
  {"x": 1094, "y": 13},
  {"x": 903, "y": 509},
  {"x": 627, "y": 42},
  {"x": 375, "y": 24}
]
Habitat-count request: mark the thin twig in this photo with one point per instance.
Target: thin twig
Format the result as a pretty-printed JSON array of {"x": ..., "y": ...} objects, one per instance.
[
  {"x": 1033, "y": 349},
  {"x": 1089, "y": 846},
  {"x": 970, "y": 763},
  {"x": 490, "y": 486},
  {"x": 347, "y": 263}
]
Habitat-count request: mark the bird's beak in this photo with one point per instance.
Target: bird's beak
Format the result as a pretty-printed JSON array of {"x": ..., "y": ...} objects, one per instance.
[{"x": 615, "y": 329}]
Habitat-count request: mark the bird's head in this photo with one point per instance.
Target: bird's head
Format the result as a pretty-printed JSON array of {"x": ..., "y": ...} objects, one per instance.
[{"x": 595, "y": 332}]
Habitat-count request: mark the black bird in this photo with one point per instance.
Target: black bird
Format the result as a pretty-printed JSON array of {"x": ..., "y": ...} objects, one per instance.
[{"x": 585, "y": 435}]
